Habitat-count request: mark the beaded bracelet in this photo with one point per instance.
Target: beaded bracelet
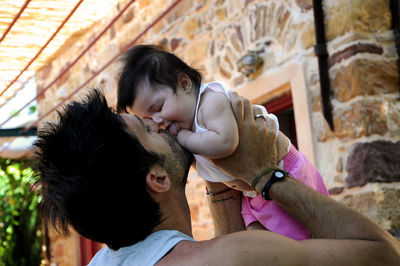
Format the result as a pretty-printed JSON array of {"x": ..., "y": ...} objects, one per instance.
[
  {"x": 260, "y": 174},
  {"x": 218, "y": 192}
]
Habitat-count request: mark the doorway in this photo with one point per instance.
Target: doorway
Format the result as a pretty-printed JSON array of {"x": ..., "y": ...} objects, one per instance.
[{"x": 282, "y": 107}]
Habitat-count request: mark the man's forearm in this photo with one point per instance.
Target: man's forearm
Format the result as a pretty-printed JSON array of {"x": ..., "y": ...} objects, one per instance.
[
  {"x": 322, "y": 216},
  {"x": 225, "y": 209}
]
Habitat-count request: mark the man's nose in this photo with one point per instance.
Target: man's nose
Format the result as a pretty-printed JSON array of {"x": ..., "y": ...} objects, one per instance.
[
  {"x": 161, "y": 122},
  {"x": 151, "y": 124},
  {"x": 158, "y": 119}
]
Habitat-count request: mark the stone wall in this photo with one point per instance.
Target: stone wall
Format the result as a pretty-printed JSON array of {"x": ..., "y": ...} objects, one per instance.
[
  {"x": 64, "y": 251},
  {"x": 366, "y": 110},
  {"x": 364, "y": 79},
  {"x": 214, "y": 35}
]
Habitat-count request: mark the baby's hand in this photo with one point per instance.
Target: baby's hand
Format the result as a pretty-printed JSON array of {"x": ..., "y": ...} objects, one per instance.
[
  {"x": 183, "y": 137},
  {"x": 174, "y": 129}
]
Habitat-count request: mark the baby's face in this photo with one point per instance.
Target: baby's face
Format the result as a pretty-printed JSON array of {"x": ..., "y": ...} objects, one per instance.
[{"x": 170, "y": 110}]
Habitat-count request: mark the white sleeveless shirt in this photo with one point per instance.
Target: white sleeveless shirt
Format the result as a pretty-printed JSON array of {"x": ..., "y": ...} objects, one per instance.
[{"x": 144, "y": 253}]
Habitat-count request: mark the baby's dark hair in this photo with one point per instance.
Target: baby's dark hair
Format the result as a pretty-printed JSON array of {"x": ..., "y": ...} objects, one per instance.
[
  {"x": 92, "y": 175},
  {"x": 150, "y": 63}
]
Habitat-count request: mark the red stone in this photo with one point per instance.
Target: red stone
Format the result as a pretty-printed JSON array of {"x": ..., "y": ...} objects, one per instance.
[
  {"x": 128, "y": 16},
  {"x": 304, "y": 4},
  {"x": 376, "y": 161},
  {"x": 175, "y": 43},
  {"x": 353, "y": 50}
]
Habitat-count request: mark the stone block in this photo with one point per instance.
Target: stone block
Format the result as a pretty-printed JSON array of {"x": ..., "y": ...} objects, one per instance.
[
  {"x": 376, "y": 161},
  {"x": 64, "y": 78},
  {"x": 291, "y": 34},
  {"x": 159, "y": 27},
  {"x": 190, "y": 27},
  {"x": 236, "y": 44},
  {"x": 258, "y": 25},
  {"x": 175, "y": 43},
  {"x": 239, "y": 34},
  {"x": 281, "y": 19},
  {"x": 304, "y": 4},
  {"x": 362, "y": 118},
  {"x": 238, "y": 81},
  {"x": 144, "y": 3},
  {"x": 308, "y": 36},
  {"x": 248, "y": 2},
  {"x": 353, "y": 50},
  {"x": 183, "y": 9},
  {"x": 357, "y": 16},
  {"x": 220, "y": 14},
  {"x": 128, "y": 15},
  {"x": 370, "y": 16},
  {"x": 234, "y": 7},
  {"x": 394, "y": 117},
  {"x": 64, "y": 250},
  {"x": 316, "y": 101},
  {"x": 364, "y": 77},
  {"x": 225, "y": 73},
  {"x": 45, "y": 72},
  {"x": 335, "y": 190},
  {"x": 379, "y": 202},
  {"x": 321, "y": 127},
  {"x": 198, "y": 50},
  {"x": 202, "y": 224}
]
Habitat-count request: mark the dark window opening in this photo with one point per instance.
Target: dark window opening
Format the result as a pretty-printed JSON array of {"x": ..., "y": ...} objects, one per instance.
[{"x": 282, "y": 107}]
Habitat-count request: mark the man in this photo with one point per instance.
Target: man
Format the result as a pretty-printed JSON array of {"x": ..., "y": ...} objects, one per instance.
[{"x": 119, "y": 180}]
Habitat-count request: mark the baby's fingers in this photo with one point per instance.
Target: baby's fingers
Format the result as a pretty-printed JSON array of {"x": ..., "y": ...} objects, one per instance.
[
  {"x": 237, "y": 105},
  {"x": 183, "y": 136}
]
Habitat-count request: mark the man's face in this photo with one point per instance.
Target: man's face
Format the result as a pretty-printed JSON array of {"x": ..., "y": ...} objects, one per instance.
[{"x": 177, "y": 160}]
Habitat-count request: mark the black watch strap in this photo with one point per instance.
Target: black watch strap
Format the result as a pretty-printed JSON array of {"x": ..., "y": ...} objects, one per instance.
[{"x": 277, "y": 175}]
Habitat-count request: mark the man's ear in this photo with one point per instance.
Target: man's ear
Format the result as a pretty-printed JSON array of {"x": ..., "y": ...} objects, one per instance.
[
  {"x": 157, "y": 179},
  {"x": 185, "y": 82}
]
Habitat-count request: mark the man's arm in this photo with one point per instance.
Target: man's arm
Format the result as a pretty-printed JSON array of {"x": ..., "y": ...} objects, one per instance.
[
  {"x": 344, "y": 237},
  {"x": 225, "y": 208}
]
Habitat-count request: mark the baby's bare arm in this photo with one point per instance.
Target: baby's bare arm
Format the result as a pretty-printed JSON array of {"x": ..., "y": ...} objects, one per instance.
[{"x": 222, "y": 137}]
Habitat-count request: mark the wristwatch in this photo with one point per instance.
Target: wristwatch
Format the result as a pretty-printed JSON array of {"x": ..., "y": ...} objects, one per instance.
[{"x": 277, "y": 175}]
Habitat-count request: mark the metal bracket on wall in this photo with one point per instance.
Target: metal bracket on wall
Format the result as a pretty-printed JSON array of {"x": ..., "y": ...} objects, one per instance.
[{"x": 322, "y": 53}]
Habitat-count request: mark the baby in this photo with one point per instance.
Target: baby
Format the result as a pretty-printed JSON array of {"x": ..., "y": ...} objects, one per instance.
[{"x": 158, "y": 85}]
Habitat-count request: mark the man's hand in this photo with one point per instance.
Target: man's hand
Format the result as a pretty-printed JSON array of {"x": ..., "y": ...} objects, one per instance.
[{"x": 257, "y": 142}]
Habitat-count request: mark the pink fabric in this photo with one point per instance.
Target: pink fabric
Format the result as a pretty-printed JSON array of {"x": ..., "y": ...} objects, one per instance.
[{"x": 273, "y": 217}]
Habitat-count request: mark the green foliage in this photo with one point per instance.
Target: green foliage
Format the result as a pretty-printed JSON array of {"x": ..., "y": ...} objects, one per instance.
[
  {"x": 20, "y": 225},
  {"x": 32, "y": 109}
]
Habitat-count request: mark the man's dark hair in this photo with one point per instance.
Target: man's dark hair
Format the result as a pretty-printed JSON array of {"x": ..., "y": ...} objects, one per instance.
[
  {"x": 92, "y": 175},
  {"x": 150, "y": 63}
]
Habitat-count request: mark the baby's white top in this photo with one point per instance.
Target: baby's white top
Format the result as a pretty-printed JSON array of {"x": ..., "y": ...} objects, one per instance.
[
  {"x": 215, "y": 86},
  {"x": 205, "y": 168}
]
